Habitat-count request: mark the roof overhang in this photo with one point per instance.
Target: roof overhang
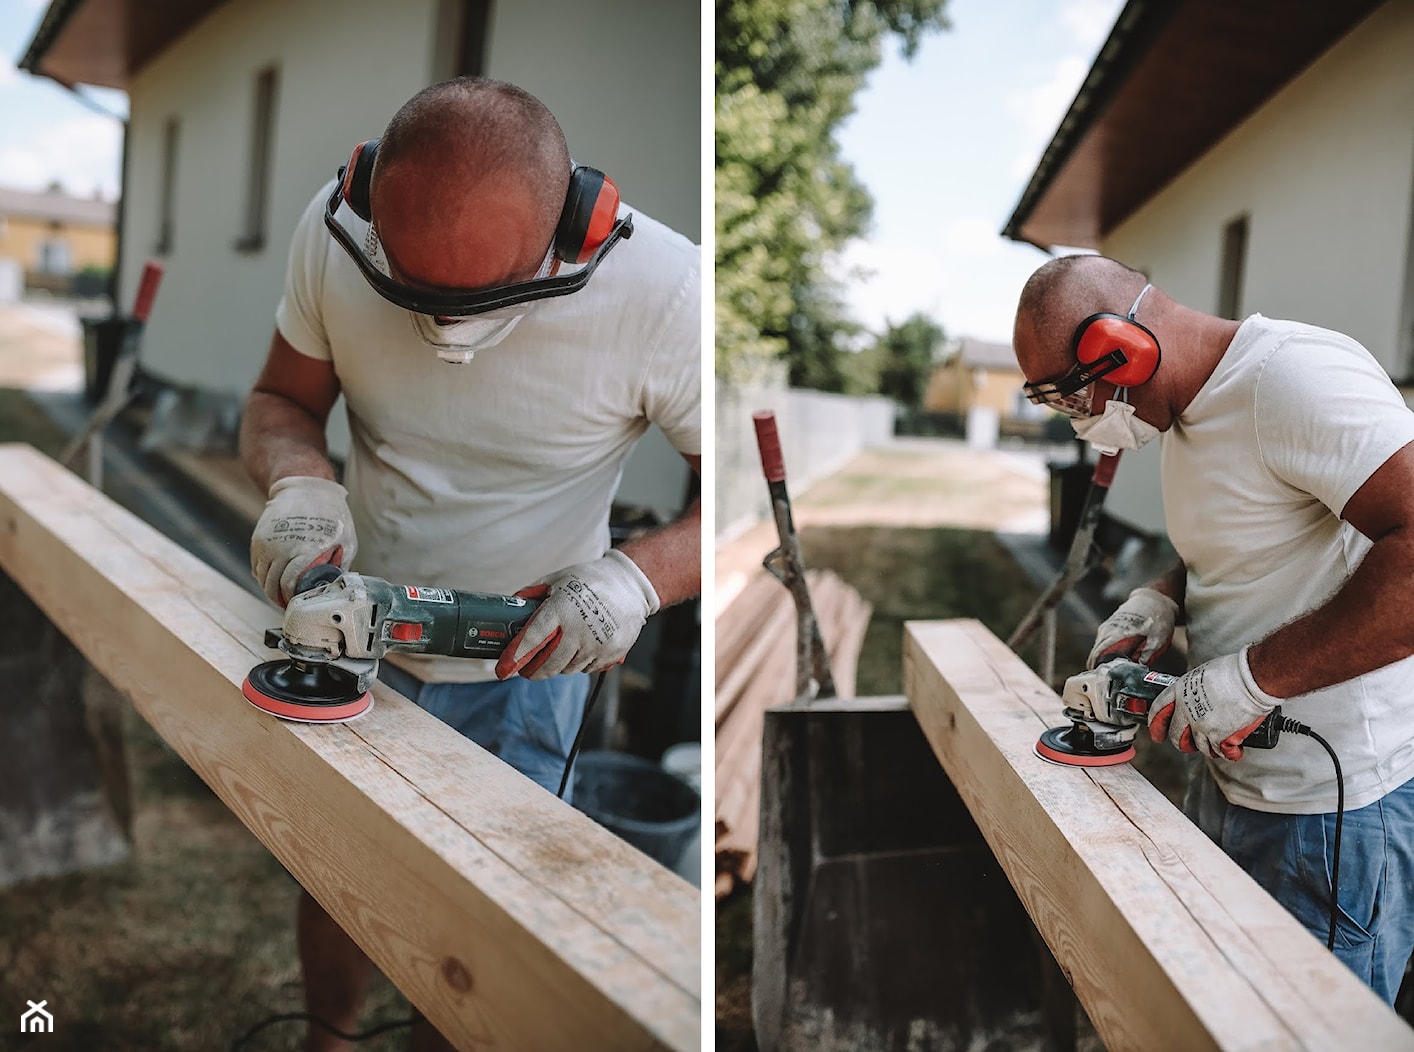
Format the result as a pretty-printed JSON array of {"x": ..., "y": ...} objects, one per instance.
[
  {"x": 1171, "y": 80},
  {"x": 104, "y": 42}
]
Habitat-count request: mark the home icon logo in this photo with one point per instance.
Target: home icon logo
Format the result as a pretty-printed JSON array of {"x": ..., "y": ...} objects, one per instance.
[{"x": 36, "y": 1020}]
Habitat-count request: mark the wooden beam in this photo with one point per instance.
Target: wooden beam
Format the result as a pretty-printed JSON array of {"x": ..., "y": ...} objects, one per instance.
[
  {"x": 1167, "y": 943},
  {"x": 507, "y": 917}
]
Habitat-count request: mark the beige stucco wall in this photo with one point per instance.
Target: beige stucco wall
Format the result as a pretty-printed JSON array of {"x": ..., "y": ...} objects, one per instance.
[
  {"x": 1325, "y": 173},
  {"x": 622, "y": 76}
]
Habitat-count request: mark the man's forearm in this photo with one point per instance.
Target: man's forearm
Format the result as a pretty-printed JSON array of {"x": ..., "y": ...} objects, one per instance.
[
  {"x": 671, "y": 556},
  {"x": 279, "y": 439},
  {"x": 1366, "y": 625},
  {"x": 1173, "y": 584}
]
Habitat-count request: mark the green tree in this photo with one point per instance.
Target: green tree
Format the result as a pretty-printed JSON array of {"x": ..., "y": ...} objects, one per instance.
[
  {"x": 787, "y": 72},
  {"x": 906, "y": 356}
]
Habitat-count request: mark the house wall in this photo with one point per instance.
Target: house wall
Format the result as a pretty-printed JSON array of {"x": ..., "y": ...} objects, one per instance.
[
  {"x": 22, "y": 236},
  {"x": 344, "y": 69},
  {"x": 1325, "y": 174},
  {"x": 997, "y": 389}
]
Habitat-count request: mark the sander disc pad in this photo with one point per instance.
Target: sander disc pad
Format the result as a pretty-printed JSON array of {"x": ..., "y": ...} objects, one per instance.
[
  {"x": 305, "y": 693},
  {"x": 1057, "y": 746}
]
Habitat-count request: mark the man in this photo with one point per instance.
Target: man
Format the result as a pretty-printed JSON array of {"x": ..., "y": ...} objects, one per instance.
[
  {"x": 453, "y": 237},
  {"x": 1288, "y": 480}
]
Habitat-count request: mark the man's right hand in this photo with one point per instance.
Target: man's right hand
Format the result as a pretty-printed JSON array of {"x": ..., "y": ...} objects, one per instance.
[
  {"x": 1140, "y": 629},
  {"x": 306, "y": 521}
]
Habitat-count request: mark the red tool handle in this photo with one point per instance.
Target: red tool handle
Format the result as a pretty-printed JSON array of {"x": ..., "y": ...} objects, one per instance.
[
  {"x": 147, "y": 290},
  {"x": 772, "y": 463},
  {"x": 1105, "y": 470}
]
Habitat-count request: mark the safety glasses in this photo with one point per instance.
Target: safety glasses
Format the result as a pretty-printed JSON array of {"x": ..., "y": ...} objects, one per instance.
[
  {"x": 459, "y": 303},
  {"x": 1071, "y": 393}
]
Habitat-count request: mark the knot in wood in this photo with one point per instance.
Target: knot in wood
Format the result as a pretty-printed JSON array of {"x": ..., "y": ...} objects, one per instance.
[{"x": 455, "y": 975}]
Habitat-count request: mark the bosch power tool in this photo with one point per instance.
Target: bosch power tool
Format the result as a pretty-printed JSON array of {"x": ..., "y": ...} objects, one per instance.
[
  {"x": 1108, "y": 704},
  {"x": 339, "y": 625}
]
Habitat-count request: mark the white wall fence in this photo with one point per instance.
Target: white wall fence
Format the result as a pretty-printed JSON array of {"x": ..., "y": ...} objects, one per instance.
[{"x": 819, "y": 433}]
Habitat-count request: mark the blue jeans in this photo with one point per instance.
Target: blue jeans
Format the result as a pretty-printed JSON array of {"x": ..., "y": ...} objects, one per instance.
[
  {"x": 528, "y": 723},
  {"x": 1290, "y": 856}
]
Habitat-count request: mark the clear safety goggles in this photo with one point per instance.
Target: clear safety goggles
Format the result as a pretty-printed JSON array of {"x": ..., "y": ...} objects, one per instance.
[
  {"x": 1073, "y": 392},
  {"x": 372, "y": 263}
]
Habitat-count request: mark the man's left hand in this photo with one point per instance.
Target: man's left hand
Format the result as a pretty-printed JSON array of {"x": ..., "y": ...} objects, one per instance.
[
  {"x": 1211, "y": 708},
  {"x": 591, "y": 615}
]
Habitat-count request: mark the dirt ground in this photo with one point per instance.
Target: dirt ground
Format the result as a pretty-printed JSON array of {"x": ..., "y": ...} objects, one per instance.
[
  {"x": 919, "y": 483},
  {"x": 41, "y": 348}
]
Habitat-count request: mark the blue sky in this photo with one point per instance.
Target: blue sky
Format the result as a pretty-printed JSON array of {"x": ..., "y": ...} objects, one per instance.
[
  {"x": 47, "y": 135},
  {"x": 947, "y": 142}
]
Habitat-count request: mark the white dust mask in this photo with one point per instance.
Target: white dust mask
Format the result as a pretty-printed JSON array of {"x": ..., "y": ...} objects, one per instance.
[
  {"x": 1116, "y": 428},
  {"x": 457, "y": 340}
]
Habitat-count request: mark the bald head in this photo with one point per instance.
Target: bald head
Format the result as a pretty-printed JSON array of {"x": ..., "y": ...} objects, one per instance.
[
  {"x": 1058, "y": 297},
  {"x": 469, "y": 183}
]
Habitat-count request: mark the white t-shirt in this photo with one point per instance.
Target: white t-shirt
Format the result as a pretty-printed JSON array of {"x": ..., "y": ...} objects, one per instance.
[
  {"x": 490, "y": 475},
  {"x": 1256, "y": 472}
]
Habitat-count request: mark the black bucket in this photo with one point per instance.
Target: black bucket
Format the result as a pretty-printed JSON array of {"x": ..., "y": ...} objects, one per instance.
[{"x": 655, "y": 811}]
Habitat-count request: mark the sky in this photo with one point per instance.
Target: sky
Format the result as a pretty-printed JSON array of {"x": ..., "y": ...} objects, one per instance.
[
  {"x": 46, "y": 134},
  {"x": 946, "y": 143}
]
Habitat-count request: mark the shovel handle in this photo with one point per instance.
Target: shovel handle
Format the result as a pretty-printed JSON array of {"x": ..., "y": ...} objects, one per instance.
[
  {"x": 147, "y": 290},
  {"x": 769, "y": 442}
]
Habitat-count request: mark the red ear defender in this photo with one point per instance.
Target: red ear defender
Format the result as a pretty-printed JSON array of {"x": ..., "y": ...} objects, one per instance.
[
  {"x": 591, "y": 206},
  {"x": 357, "y": 177},
  {"x": 1103, "y": 334}
]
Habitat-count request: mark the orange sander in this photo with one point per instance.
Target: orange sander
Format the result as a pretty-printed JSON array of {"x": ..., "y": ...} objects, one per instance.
[
  {"x": 339, "y": 625},
  {"x": 1107, "y": 706}
]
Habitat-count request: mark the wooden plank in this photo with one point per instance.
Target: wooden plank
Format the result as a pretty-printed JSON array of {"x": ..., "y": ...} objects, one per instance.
[
  {"x": 1167, "y": 943},
  {"x": 510, "y": 919}
]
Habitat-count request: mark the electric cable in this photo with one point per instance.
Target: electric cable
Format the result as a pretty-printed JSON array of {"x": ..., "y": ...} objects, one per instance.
[
  {"x": 579, "y": 734},
  {"x": 290, "y": 1017},
  {"x": 1296, "y": 727}
]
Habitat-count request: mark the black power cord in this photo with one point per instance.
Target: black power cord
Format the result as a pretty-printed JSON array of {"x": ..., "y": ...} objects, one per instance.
[
  {"x": 290, "y": 1017},
  {"x": 579, "y": 734},
  {"x": 1296, "y": 727}
]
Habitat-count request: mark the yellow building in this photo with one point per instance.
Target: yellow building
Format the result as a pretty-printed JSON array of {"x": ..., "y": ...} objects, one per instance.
[
  {"x": 978, "y": 375},
  {"x": 52, "y": 236}
]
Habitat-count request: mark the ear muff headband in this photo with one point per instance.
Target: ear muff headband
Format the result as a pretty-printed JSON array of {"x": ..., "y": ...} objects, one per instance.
[
  {"x": 358, "y": 175},
  {"x": 1105, "y": 334},
  {"x": 590, "y": 211}
]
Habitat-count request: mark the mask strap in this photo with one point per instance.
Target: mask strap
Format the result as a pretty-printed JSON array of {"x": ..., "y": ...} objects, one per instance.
[{"x": 1134, "y": 309}]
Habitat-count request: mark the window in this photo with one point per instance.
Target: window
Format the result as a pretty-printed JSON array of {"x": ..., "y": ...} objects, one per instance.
[
  {"x": 262, "y": 145},
  {"x": 167, "y": 187},
  {"x": 1233, "y": 263},
  {"x": 471, "y": 60},
  {"x": 55, "y": 257}
]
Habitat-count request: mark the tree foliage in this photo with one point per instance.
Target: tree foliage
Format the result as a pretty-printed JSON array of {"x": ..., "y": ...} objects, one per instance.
[
  {"x": 907, "y": 355},
  {"x": 787, "y": 72}
]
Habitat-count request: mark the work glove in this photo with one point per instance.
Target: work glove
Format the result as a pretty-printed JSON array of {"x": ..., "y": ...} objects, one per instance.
[
  {"x": 306, "y": 521},
  {"x": 590, "y": 615},
  {"x": 1141, "y": 628},
  {"x": 1211, "y": 708}
]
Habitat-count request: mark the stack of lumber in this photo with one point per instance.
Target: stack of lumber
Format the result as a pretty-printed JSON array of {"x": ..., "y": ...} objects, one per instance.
[{"x": 755, "y": 670}]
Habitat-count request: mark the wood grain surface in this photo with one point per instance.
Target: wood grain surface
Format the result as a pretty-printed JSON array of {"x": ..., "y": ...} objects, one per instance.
[
  {"x": 507, "y": 917},
  {"x": 1167, "y": 943}
]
